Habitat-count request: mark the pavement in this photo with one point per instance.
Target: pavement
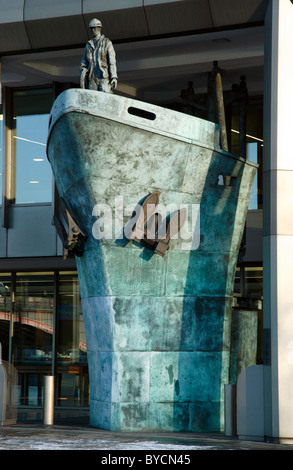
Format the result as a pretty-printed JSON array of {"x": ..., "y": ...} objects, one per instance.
[{"x": 111, "y": 444}]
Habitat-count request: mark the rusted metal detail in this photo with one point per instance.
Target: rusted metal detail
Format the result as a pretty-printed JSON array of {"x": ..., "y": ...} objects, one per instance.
[
  {"x": 150, "y": 226},
  {"x": 206, "y": 105},
  {"x": 221, "y": 112},
  {"x": 242, "y": 116},
  {"x": 221, "y": 115},
  {"x": 177, "y": 221},
  {"x": 145, "y": 212},
  {"x": 71, "y": 236}
]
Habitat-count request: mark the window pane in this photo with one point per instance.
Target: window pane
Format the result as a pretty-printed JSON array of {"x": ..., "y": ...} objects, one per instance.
[
  {"x": 33, "y": 333},
  {"x": 1, "y": 151},
  {"x": 252, "y": 154},
  {"x": 33, "y": 171},
  {"x": 237, "y": 283},
  {"x": 72, "y": 369},
  {"x": 5, "y": 303},
  {"x": 254, "y": 147},
  {"x": 254, "y": 281}
]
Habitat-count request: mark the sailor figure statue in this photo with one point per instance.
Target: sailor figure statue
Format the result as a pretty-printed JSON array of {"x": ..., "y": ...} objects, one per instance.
[{"x": 98, "y": 64}]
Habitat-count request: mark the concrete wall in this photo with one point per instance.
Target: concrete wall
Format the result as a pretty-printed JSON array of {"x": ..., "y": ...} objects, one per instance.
[{"x": 278, "y": 222}]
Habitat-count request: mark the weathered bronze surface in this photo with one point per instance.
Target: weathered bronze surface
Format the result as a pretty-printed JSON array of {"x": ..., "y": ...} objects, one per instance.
[
  {"x": 158, "y": 328},
  {"x": 98, "y": 64}
]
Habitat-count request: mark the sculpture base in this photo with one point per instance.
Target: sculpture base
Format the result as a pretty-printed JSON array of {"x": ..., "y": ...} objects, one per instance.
[{"x": 158, "y": 363}]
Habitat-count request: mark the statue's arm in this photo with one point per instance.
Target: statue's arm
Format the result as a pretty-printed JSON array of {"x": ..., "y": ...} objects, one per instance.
[
  {"x": 84, "y": 66},
  {"x": 112, "y": 65}
]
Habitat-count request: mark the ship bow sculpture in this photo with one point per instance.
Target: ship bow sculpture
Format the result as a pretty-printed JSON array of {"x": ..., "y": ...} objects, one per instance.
[{"x": 159, "y": 212}]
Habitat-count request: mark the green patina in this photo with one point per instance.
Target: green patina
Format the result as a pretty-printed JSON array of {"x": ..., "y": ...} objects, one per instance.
[{"x": 158, "y": 328}]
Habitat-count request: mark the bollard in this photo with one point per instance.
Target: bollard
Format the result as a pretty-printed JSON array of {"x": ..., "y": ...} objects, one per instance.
[{"x": 48, "y": 403}]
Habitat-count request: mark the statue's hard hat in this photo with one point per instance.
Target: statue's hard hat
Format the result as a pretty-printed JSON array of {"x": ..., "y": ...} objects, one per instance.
[{"x": 95, "y": 23}]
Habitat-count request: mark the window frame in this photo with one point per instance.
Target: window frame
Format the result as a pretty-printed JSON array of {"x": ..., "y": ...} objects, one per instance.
[{"x": 9, "y": 153}]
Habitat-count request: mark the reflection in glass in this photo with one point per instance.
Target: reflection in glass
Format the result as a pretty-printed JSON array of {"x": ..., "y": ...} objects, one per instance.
[
  {"x": 33, "y": 171},
  {"x": 1, "y": 151},
  {"x": 254, "y": 147},
  {"x": 72, "y": 369},
  {"x": 252, "y": 154},
  {"x": 5, "y": 306},
  {"x": 254, "y": 281},
  {"x": 33, "y": 333},
  {"x": 249, "y": 281},
  {"x": 44, "y": 334},
  {"x": 237, "y": 282}
]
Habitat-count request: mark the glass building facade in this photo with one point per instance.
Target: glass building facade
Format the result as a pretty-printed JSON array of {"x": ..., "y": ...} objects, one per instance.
[
  {"x": 34, "y": 178},
  {"x": 1, "y": 149},
  {"x": 42, "y": 333},
  {"x": 41, "y": 322}
]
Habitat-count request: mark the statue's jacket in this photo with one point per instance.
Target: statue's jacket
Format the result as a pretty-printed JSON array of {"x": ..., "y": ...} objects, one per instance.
[{"x": 102, "y": 55}]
